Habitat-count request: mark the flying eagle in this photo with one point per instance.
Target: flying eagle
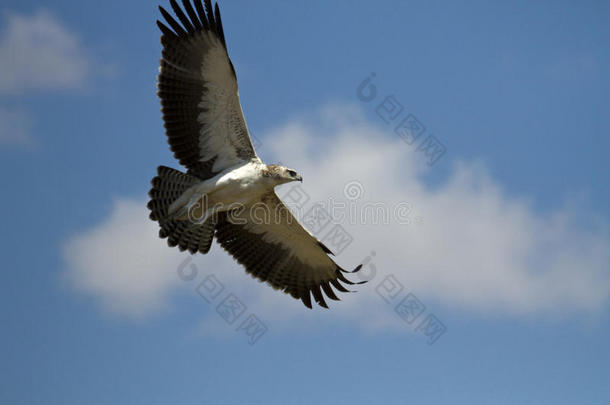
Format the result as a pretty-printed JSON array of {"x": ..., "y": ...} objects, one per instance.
[{"x": 226, "y": 183}]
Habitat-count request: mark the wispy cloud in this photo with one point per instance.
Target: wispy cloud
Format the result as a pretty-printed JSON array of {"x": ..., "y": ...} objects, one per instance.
[
  {"x": 38, "y": 52},
  {"x": 15, "y": 128},
  {"x": 476, "y": 248}
]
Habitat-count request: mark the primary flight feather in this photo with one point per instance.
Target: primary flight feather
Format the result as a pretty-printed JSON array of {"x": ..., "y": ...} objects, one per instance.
[{"x": 226, "y": 183}]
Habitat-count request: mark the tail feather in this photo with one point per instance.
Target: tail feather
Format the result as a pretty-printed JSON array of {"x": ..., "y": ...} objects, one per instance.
[{"x": 167, "y": 186}]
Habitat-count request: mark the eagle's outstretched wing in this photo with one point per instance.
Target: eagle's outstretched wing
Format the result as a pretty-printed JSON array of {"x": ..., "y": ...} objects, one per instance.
[
  {"x": 197, "y": 85},
  {"x": 271, "y": 244}
]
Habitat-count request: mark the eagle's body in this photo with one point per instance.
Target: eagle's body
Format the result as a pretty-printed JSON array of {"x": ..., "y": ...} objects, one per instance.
[
  {"x": 237, "y": 186},
  {"x": 240, "y": 184},
  {"x": 227, "y": 193}
]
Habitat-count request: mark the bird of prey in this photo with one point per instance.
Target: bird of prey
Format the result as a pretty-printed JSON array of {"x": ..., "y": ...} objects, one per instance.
[{"x": 226, "y": 183}]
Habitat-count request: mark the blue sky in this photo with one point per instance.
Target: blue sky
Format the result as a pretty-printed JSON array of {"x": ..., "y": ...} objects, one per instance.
[{"x": 508, "y": 246}]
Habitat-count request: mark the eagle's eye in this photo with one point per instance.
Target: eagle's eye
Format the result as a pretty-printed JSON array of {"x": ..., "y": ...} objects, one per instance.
[{"x": 292, "y": 173}]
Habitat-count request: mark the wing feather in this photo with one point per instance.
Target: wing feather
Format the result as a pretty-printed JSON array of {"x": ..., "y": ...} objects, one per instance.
[
  {"x": 197, "y": 85},
  {"x": 186, "y": 22},
  {"x": 210, "y": 13},
  {"x": 192, "y": 15},
  {"x": 201, "y": 12},
  {"x": 173, "y": 23}
]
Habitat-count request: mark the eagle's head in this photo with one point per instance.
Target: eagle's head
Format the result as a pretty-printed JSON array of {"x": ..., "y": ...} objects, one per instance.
[{"x": 282, "y": 174}]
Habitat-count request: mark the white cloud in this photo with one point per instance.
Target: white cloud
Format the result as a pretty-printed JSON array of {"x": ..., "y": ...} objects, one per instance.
[
  {"x": 15, "y": 128},
  {"x": 123, "y": 262},
  {"x": 476, "y": 249},
  {"x": 38, "y": 52}
]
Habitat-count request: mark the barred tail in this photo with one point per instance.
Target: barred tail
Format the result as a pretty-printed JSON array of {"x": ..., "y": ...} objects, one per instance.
[{"x": 167, "y": 186}]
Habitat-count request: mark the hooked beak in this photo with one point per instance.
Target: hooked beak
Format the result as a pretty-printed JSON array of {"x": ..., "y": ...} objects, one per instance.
[{"x": 299, "y": 178}]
